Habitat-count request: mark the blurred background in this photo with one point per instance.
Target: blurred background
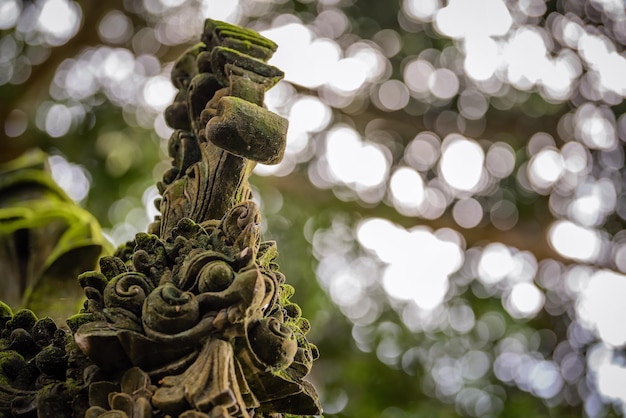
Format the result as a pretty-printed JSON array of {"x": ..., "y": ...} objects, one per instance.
[{"x": 451, "y": 207}]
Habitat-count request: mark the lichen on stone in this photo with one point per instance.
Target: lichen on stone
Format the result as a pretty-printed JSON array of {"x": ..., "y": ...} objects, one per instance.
[{"x": 192, "y": 318}]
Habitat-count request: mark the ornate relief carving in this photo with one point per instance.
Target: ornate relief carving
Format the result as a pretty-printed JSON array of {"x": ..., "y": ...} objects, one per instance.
[{"x": 192, "y": 319}]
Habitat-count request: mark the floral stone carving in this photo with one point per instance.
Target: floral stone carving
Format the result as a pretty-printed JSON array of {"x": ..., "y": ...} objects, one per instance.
[{"x": 192, "y": 319}]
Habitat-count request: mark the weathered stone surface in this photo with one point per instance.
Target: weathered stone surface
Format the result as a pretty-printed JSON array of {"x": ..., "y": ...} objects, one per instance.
[
  {"x": 221, "y": 101},
  {"x": 192, "y": 319},
  {"x": 34, "y": 364},
  {"x": 215, "y": 327}
]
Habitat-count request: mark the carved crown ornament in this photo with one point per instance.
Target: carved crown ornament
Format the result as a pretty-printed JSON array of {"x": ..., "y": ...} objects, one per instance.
[{"x": 192, "y": 318}]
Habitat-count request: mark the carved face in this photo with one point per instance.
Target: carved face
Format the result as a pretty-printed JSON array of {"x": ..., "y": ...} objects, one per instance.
[{"x": 202, "y": 308}]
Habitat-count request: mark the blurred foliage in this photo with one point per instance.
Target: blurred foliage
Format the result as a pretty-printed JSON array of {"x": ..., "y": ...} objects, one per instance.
[{"x": 450, "y": 209}]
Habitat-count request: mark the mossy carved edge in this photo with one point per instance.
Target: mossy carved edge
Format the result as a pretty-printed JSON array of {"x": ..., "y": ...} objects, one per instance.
[{"x": 193, "y": 318}]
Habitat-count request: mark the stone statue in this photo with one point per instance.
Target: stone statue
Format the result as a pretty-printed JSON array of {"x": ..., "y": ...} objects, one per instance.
[
  {"x": 193, "y": 318},
  {"x": 46, "y": 239}
]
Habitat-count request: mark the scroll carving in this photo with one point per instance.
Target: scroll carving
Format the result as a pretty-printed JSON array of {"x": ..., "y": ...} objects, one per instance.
[
  {"x": 193, "y": 318},
  {"x": 222, "y": 128}
]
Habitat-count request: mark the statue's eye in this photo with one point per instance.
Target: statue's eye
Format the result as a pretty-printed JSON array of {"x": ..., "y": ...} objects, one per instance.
[{"x": 215, "y": 277}]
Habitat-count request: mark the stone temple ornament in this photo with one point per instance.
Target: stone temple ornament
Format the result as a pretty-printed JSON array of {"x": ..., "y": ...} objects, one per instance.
[{"x": 193, "y": 318}]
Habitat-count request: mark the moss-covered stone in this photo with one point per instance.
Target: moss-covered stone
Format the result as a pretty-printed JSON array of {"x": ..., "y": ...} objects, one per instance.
[{"x": 192, "y": 319}]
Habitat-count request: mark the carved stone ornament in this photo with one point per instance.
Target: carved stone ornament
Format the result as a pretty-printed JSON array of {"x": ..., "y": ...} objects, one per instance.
[{"x": 192, "y": 319}]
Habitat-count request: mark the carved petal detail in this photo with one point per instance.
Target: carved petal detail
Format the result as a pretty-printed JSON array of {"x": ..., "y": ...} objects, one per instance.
[
  {"x": 212, "y": 381},
  {"x": 193, "y": 319}
]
